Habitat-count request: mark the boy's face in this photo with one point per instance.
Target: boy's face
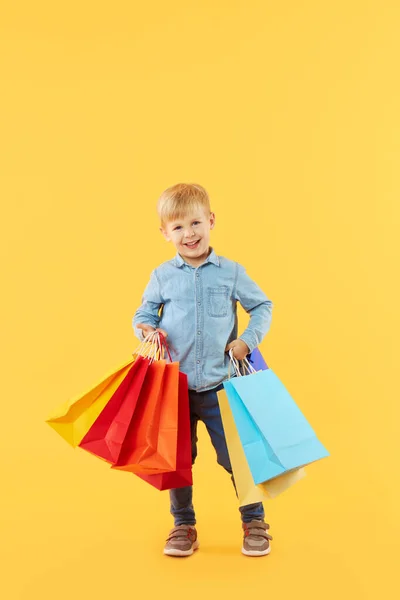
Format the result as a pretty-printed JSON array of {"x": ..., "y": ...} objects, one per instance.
[{"x": 191, "y": 235}]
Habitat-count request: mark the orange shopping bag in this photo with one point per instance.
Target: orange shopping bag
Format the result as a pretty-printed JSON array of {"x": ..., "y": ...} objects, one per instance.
[
  {"x": 150, "y": 445},
  {"x": 182, "y": 477}
]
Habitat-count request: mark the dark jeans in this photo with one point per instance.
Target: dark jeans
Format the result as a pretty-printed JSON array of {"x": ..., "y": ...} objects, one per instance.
[{"x": 204, "y": 407}]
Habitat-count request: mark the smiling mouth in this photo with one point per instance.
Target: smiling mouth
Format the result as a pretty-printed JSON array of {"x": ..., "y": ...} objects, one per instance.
[{"x": 192, "y": 244}]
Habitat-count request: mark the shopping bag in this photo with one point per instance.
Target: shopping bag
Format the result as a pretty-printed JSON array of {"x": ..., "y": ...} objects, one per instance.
[
  {"x": 150, "y": 445},
  {"x": 105, "y": 437},
  {"x": 248, "y": 492},
  {"x": 257, "y": 361},
  {"x": 278, "y": 485},
  {"x": 75, "y": 417},
  {"x": 182, "y": 477},
  {"x": 275, "y": 435}
]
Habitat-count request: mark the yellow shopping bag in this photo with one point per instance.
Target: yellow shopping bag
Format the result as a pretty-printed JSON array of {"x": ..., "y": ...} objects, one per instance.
[
  {"x": 277, "y": 485},
  {"x": 73, "y": 419},
  {"x": 248, "y": 491}
]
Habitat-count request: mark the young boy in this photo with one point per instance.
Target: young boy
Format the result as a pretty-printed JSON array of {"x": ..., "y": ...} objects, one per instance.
[{"x": 193, "y": 298}]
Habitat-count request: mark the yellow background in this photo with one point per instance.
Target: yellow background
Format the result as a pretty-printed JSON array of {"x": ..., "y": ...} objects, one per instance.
[{"x": 288, "y": 113}]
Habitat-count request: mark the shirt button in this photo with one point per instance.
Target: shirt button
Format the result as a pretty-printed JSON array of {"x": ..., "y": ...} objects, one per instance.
[
  {"x": 198, "y": 362},
  {"x": 199, "y": 303},
  {"x": 199, "y": 332},
  {"x": 197, "y": 275}
]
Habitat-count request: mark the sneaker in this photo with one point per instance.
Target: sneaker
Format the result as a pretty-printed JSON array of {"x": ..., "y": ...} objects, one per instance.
[
  {"x": 256, "y": 539},
  {"x": 182, "y": 541}
]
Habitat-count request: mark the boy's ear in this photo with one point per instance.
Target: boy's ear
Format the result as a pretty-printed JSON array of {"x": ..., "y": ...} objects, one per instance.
[
  {"x": 212, "y": 220},
  {"x": 165, "y": 234}
]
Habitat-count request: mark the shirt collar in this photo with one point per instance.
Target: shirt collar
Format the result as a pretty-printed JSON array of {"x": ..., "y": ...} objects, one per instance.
[{"x": 212, "y": 258}]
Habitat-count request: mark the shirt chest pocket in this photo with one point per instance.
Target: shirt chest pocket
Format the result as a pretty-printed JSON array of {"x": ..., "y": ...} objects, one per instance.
[{"x": 218, "y": 301}]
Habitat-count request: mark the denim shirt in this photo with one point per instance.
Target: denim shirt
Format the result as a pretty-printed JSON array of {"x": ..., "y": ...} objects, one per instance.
[{"x": 196, "y": 306}]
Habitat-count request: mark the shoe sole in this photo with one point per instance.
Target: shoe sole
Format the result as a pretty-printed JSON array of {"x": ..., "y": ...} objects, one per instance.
[
  {"x": 176, "y": 552},
  {"x": 255, "y": 552}
]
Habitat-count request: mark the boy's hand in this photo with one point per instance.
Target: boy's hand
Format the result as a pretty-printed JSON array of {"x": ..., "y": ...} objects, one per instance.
[
  {"x": 240, "y": 349},
  {"x": 148, "y": 329}
]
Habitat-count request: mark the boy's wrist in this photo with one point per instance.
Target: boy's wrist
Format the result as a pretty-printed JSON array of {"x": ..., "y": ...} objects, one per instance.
[{"x": 249, "y": 342}]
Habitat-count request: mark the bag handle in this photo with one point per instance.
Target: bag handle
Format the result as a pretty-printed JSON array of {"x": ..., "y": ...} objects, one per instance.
[
  {"x": 233, "y": 362},
  {"x": 141, "y": 349},
  {"x": 153, "y": 347},
  {"x": 247, "y": 368},
  {"x": 149, "y": 347},
  {"x": 164, "y": 345}
]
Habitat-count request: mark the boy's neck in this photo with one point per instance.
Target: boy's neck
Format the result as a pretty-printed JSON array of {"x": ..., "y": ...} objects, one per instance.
[{"x": 196, "y": 262}]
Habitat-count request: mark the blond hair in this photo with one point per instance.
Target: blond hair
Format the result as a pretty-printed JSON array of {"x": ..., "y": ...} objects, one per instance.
[{"x": 176, "y": 201}]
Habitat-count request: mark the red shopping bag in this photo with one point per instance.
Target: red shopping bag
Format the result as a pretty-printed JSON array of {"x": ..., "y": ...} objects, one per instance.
[
  {"x": 182, "y": 477},
  {"x": 150, "y": 445},
  {"x": 106, "y": 435}
]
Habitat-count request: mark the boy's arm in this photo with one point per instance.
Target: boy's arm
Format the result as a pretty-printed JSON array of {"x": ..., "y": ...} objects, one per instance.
[
  {"x": 256, "y": 304},
  {"x": 148, "y": 312}
]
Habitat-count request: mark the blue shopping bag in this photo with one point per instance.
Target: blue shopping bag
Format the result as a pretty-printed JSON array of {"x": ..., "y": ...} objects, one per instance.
[
  {"x": 257, "y": 361},
  {"x": 275, "y": 435}
]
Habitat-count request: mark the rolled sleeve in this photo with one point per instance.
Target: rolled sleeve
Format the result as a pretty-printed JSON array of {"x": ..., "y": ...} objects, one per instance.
[
  {"x": 257, "y": 305},
  {"x": 149, "y": 311}
]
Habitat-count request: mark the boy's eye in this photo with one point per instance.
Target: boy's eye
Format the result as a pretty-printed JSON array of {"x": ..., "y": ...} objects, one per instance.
[{"x": 179, "y": 226}]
